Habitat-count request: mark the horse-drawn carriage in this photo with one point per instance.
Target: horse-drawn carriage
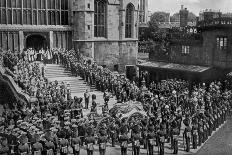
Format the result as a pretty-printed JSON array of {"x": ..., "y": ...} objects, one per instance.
[{"x": 127, "y": 112}]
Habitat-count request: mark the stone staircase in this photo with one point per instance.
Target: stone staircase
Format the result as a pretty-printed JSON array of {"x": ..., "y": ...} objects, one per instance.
[{"x": 78, "y": 86}]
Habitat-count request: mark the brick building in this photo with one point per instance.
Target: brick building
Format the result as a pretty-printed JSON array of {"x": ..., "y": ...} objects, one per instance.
[
  {"x": 106, "y": 30},
  {"x": 200, "y": 53}
]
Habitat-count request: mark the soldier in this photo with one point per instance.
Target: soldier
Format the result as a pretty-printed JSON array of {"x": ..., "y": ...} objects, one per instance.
[
  {"x": 194, "y": 133},
  {"x": 136, "y": 138},
  {"x": 87, "y": 96},
  {"x": 4, "y": 149},
  {"x": 200, "y": 131},
  {"x": 187, "y": 136},
  {"x": 76, "y": 141},
  {"x": 63, "y": 143},
  {"x": 113, "y": 133},
  {"x": 94, "y": 104},
  {"x": 151, "y": 139},
  {"x": 49, "y": 145},
  {"x": 161, "y": 135},
  {"x": 37, "y": 147},
  {"x": 124, "y": 140},
  {"x": 175, "y": 135},
  {"x": 102, "y": 140},
  {"x": 90, "y": 141},
  {"x": 23, "y": 147}
]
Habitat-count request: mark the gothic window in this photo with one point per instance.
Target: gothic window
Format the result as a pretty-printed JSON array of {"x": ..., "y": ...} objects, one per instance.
[
  {"x": 129, "y": 20},
  {"x": 100, "y": 18}
]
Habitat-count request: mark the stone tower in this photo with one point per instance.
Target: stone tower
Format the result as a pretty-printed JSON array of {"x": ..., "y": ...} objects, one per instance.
[{"x": 183, "y": 16}]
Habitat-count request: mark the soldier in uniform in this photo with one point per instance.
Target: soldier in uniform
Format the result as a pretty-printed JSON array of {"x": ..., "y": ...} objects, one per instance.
[
  {"x": 4, "y": 149},
  {"x": 200, "y": 131},
  {"x": 194, "y": 133},
  {"x": 23, "y": 147},
  {"x": 113, "y": 133},
  {"x": 102, "y": 140},
  {"x": 90, "y": 141},
  {"x": 175, "y": 135},
  {"x": 49, "y": 145},
  {"x": 187, "y": 135},
  {"x": 161, "y": 134},
  {"x": 124, "y": 140},
  {"x": 87, "y": 96},
  {"x": 63, "y": 142},
  {"x": 151, "y": 139},
  {"x": 37, "y": 147},
  {"x": 76, "y": 141},
  {"x": 136, "y": 138}
]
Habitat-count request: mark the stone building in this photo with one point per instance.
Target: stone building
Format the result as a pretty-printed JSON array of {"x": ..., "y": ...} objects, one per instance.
[
  {"x": 201, "y": 53},
  {"x": 106, "y": 30}
]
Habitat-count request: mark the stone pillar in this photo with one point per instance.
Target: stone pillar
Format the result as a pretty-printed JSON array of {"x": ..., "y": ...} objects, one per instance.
[
  {"x": 51, "y": 40},
  {"x": 21, "y": 41}
]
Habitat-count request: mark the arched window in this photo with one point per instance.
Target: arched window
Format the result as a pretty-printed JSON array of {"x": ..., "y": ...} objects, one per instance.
[
  {"x": 100, "y": 18},
  {"x": 129, "y": 20}
]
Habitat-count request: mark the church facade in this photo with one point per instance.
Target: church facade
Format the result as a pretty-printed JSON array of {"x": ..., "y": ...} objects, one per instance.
[{"x": 105, "y": 30}]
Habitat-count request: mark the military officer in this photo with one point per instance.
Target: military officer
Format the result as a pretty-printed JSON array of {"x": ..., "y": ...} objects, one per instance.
[
  {"x": 136, "y": 138},
  {"x": 102, "y": 140},
  {"x": 37, "y": 147},
  {"x": 90, "y": 141},
  {"x": 187, "y": 136},
  {"x": 124, "y": 140},
  {"x": 151, "y": 139},
  {"x": 175, "y": 135}
]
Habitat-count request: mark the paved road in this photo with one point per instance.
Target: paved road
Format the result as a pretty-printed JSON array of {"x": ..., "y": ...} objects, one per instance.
[{"x": 220, "y": 143}]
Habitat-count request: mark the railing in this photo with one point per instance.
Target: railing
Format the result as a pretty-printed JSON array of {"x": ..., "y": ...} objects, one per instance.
[
  {"x": 225, "y": 21},
  {"x": 17, "y": 92}
]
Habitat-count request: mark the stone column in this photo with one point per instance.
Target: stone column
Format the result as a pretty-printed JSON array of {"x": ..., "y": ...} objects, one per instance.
[
  {"x": 51, "y": 39},
  {"x": 21, "y": 41}
]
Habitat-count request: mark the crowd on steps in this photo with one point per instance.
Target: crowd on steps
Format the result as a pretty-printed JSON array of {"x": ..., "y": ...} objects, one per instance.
[{"x": 54, "y": 122}]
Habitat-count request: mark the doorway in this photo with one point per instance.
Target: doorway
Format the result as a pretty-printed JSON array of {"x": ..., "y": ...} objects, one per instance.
[{"x": 36, "y": 42}]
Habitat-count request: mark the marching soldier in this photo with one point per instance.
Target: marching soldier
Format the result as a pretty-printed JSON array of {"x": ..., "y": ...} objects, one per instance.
[
  {"x": 200, "y": 132},
  {"x": 4, "y": 150},
  {"x": 124, "y": 140},
  {"x": 76, "y": 142},
  {"x": 113, "y": 133},
  {"x": 49, "y": 145},
  {"x": 89, "y": 141},
  {"x": 63, "y": 143},
  {"x": 194, "y": 133},
  {"x": 23, "y": 147},
  {"x": 161, "y": 134},
  {"x": 136, "y": 138},
  {"x": 187, "y": 136},
  {"x": 175, "y": 135},
  {"x": 151, "y": 138},
  {"x": 102, "y": 140},
  {"x": 37, "y": 147}
]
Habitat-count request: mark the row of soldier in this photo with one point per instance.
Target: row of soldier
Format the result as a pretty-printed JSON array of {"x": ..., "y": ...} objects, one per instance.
[{"x": 214, "y": 102}]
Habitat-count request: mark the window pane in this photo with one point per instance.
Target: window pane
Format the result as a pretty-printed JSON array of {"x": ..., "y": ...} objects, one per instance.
[{"x": 9, "y": 14}]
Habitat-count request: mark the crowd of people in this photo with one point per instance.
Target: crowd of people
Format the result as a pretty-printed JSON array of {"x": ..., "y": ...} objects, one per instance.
[{"x": 54, "y": 123}]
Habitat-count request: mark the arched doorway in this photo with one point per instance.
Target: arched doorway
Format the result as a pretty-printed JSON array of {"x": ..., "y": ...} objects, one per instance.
[{"x": 36, "y": 42}]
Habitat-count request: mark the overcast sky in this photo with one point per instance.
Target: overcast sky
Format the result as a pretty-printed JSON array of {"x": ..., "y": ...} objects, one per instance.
[{"x": 194, "y": 6}]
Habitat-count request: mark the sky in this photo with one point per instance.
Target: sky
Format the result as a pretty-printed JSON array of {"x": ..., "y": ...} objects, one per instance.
[{"x": 195, "y": 6}]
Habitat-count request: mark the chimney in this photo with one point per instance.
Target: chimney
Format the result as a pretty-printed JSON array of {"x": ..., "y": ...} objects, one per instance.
[{"x": 182, "y": 7}]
